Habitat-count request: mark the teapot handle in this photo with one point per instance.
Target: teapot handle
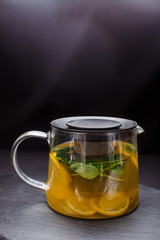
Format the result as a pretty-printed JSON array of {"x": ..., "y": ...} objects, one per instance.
[{"x": 20, "y": 173}]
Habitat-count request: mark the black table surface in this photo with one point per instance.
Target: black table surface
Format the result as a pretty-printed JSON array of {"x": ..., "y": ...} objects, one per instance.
[{"x": 24, "y": 213}]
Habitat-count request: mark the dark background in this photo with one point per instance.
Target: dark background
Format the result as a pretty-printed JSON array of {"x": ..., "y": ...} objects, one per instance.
[{"x": 73, "y": 57}]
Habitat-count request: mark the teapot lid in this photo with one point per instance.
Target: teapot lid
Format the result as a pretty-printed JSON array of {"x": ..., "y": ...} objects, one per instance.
[{"x": 93, "y": 124}]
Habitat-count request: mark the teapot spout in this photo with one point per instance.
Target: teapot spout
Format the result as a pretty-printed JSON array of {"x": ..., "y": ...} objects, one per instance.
[{"x": 139, "y": 129}]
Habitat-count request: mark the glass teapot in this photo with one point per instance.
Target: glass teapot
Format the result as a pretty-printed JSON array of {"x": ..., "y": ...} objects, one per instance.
[{"x": 93, "y": 166}]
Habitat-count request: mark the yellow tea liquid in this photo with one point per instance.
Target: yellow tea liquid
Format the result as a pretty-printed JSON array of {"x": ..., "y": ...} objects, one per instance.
[{"x": 93, "y": 187}]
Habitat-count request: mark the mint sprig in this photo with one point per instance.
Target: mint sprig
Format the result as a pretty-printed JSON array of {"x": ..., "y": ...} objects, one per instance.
[{"x": 104, "y": 166}]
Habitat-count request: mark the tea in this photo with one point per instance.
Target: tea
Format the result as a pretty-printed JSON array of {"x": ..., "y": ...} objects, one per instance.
[{"x": 91, "y": 185}]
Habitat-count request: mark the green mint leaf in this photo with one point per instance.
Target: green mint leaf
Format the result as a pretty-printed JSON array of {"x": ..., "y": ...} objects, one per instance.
[
  {"x": 64, "y": 156},
  {"x": 118, "y": 169},
  {"x": 84, "y": 170}
]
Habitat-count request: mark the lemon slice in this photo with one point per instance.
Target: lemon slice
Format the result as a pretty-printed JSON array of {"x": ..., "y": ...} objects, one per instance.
[
  {"x": 62, "y": 171},
  {"x": 125, "y": 147},
  {"x": 135, "y": 162},
  {"x": 110, "y": 207},
  {"x": 80, "y": 207},
  {"x": 128, "y": 149},
  {"x": 67, "y": 210}
]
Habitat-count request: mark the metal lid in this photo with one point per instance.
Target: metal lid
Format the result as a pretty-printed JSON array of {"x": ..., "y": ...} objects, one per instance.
[{"x": 93, "y": 124}]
